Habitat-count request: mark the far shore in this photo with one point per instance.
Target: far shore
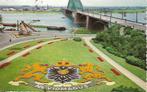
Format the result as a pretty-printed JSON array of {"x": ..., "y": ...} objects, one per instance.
[
  {"x": 30, "y": 11},
  {"x": 58, "y": 10}
]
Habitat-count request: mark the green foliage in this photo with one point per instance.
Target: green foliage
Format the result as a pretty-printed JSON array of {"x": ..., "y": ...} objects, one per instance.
[
  {"x": 135, "y": 61},
  {"x": 113, "y": 51},
  {"x": 16, "y": 48},
  {"x": 2, "y": 58},
  {"x": 78, "y": 39},
  {"x": 125, "y": 89},
  {"x": 84, "y": 31},
  {"x": 123, "y": 42}
]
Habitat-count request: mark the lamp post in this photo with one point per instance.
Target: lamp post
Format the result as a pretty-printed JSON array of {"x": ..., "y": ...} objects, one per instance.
[
  {"x": 122, "y": 15},
  {"x": 100, "y": 14},
  {"x": 136, "y": 17},
  {"x": 110, "y": 17},
  {"x": 0, "y": 18}
]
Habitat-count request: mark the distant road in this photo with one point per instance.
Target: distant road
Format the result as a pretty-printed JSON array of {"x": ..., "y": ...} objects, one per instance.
[{"x": 5, "y": 37}]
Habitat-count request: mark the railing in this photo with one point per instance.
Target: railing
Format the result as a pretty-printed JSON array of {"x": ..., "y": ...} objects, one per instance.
[
  {"x": 112, "y": 19},
  {"x": 122, "y": 18}
]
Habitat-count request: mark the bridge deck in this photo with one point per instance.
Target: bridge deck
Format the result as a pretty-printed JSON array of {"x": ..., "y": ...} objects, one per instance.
[{"x": 116, "y": 20}]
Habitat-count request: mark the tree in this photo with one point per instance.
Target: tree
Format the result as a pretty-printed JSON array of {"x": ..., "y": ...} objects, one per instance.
[{"x": 131, "y": 43}]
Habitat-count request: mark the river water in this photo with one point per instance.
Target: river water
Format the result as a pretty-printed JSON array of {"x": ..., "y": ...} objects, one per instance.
[
  {"x": 140, "y": 17},
  {"x": 58, "y": 19},
  {"x": 48, "y": 19}
]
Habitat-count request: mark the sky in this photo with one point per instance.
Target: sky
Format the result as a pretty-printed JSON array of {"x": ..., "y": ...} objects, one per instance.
[{"x": 84, "y": 2}]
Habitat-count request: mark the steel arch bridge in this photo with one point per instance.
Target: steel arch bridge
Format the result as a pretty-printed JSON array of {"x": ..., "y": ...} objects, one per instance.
[{"x": 75, "y": 5}]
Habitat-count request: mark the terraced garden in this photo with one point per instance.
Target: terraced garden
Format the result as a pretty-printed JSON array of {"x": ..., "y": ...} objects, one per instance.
[{"x": 74, "y": 52}]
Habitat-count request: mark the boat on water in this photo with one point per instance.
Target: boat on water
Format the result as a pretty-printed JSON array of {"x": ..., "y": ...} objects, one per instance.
[
  {"x": 37, "y": 20},
  {"x": 56, "y": 28}
]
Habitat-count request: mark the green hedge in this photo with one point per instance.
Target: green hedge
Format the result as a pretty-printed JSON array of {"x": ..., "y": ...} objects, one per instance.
[
  {"x": 84, "y": 31},
  {"x": 135, "y": 61},
  {"x": 111, "y": 50},
  {"x": 125, "y": 89},
  {"x": 78, "y": 39}
]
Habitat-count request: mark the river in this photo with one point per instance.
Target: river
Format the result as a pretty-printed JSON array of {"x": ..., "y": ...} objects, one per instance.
[
  {"x": 58, "y": 19},
  {"x": 48, "y": 19},
  {"x": 141, "y": 17}
]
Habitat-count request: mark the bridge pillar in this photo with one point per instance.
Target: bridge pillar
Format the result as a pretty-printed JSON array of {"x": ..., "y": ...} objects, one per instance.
[
  {"x": 87, "y": 22},
  {"x": 80, "y": 19},
  {"x": 95, "y": 24},
  {"x": 67, "y": 12}
]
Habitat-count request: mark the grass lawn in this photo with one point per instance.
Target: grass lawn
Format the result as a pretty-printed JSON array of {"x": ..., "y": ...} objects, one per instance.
[
  {"x": 17, "y": 48},
  {"x": 84, "y": 31},
  {"x": 72, "y": 51},
  {"x": 135, "y": 70}
]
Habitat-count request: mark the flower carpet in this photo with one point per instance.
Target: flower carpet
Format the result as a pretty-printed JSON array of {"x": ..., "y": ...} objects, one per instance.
[{"x": 61, "y": 76}]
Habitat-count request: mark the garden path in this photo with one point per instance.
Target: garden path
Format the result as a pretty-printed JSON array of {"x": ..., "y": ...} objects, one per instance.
[{"x": 9, "y": 59}]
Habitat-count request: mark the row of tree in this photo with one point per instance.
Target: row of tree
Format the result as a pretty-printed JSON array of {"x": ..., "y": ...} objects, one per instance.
[{"x": 124, "y": 42}]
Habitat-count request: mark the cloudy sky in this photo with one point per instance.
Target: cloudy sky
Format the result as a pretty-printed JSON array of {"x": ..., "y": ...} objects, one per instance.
[{"x": 85, "y": 2}]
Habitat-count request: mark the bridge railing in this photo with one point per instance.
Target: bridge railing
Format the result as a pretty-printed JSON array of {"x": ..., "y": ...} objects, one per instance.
[{"x": 98, "y": 12}]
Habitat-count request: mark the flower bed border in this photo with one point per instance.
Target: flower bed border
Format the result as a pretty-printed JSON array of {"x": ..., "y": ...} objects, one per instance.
[
  {"x": 39, "y": 47},
  {"x": 11, "y": 53},
  {"x": 116, "y": 72},
  {"x": 4, "y": 65},
  {"x": 100, "y": 59},
  {"x": 26, "y": 54}
]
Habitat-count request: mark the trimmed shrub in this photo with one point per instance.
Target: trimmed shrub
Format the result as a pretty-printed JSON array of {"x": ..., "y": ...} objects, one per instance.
[
  {"x": 125, "y": 89},
  {"x": 78, "y": 39},
  {"x": 95, "y": 41},
  {"x": 135, "y": 61},
  {"x": 112, "y": 51}
]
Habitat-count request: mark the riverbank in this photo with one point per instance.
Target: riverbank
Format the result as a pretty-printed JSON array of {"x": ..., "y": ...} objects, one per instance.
[{"x": 83, "y": 30}]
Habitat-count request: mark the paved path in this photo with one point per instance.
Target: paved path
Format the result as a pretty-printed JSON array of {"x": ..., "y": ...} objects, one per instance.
[
  {"x": 124, "y": 71},
  {"x": 9, "y": 59},
  {"x": 4, "y": 42}
]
